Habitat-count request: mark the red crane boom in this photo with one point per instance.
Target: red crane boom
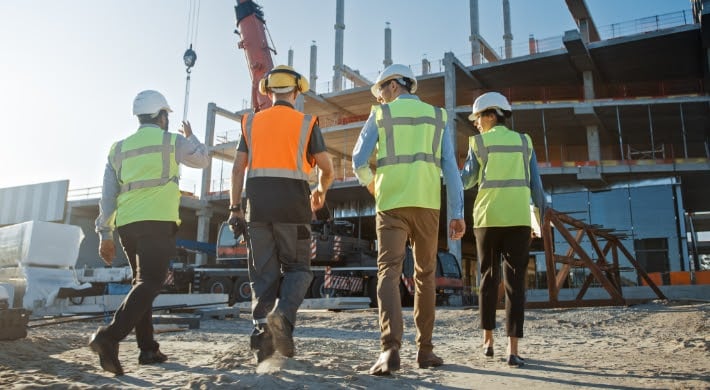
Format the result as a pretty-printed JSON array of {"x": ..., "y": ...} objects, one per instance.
[{"x": 251, "y": 27}]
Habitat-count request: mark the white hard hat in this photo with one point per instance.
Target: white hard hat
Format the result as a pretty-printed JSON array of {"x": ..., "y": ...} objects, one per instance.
[
  {"x": 490, "y": 100},
  {"x": 150, "y": 103},
  {"x": 394, "y": 71}
]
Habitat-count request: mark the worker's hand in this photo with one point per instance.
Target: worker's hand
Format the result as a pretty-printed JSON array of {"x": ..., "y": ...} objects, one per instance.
[
  {"x": 371, "y": 188},
  {"x": 317, "y": 199},
  {"x": 107, "y": 251},
  {"x": 185, "y": 129},
  {"x": 457, "y": 227},
  {"x": 237, "y": 224}
]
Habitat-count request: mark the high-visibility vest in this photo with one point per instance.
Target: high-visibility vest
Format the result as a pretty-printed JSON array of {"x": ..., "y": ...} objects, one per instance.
[
  {"x": 148, "y": 176},
  {"x": 503, "y": 178},
  {"x": 277, "y": 139},
  {"x": 408, "y": 154}
]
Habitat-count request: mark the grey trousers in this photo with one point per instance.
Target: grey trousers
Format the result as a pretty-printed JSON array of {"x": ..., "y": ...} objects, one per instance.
[{"x": 279, "y": 267}]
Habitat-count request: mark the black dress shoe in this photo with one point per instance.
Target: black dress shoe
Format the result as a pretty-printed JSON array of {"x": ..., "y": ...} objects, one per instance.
[
  {"x": 107, "y": 351},
  {"x": 386, "y": 363},
  {"x": 515, "y": 361},
  {"x": 152, "y": 357},
  {"x": 488, "y": 351}
]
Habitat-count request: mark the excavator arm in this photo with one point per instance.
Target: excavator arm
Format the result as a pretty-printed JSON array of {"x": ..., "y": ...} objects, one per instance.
[{"x": 251, "y": 28}]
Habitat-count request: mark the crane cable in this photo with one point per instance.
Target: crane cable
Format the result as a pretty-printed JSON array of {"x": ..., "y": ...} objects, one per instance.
[
  {"x": 193, "y": 16},
  {"x": 190, "y": 56}
]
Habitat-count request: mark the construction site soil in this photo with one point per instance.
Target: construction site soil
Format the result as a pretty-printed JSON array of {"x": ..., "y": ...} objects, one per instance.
[{"x": 655, "y": 345}]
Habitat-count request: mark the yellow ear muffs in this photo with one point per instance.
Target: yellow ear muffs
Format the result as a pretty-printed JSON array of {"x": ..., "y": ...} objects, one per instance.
[
  {"x": 262, "y": 85},
  {"x": 280, "y": 81}
]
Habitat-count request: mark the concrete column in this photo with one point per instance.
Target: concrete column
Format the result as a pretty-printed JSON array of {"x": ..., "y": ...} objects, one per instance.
[
  {"x": 588, "y": 80},
  {"x": 314, "y": 64},
  {"x": 388, "y": 46},
  {"x": 584, "y": 30},
  {"x": 209, "y": 142},
  {"x": 290, "y": 57},
  {"x": 339, "y": 42},
  {"x": 593, "y": 147},
  {"x": 475, "y": 33},
  {"x": 450, "y": 106},
  {"x": 203, "y": 230},
  {"x": 593, "y": 144},
  {"x": 507, "y": 35},
  {"x": 426, "y": 66},
  {"x": 300, "y": 103}
]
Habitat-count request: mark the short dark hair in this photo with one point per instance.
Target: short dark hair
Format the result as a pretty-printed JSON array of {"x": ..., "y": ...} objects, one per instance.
[
  {"x": 500, "y": 119},
  {"x": 407, "y": 83},
  {"x": 145, "y": 119}
]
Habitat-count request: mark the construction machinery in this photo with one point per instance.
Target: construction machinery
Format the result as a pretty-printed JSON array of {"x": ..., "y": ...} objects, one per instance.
[{"x": 343, "y": 265}]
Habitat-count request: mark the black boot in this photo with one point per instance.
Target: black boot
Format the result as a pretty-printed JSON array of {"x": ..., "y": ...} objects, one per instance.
[{"x": 261, "y": 344}]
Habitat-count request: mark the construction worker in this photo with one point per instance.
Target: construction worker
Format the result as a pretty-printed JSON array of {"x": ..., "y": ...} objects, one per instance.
[
  {"x": 141, "y": 198},
  {"x": 279, "y": 146},
  {"x": 414, "y": 145},
  {"x": 503, "y": 164}
]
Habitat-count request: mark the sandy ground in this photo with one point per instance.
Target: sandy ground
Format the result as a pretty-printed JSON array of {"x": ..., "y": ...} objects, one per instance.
[{"x": 656, "y": 345}]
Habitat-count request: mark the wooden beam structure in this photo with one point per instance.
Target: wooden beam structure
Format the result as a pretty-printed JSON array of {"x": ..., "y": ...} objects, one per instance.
[{"x": 602, "y": 269}]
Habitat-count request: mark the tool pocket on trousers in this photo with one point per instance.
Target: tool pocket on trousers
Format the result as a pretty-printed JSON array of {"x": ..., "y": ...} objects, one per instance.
[{"x": 303, "y": 243}]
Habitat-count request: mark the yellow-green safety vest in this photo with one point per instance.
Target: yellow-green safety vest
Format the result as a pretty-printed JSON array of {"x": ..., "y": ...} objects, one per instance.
[
  {"x": 408, "y": 154},
  {"x": 503, "y": 178},
  {"x": 148, "y": 176}
]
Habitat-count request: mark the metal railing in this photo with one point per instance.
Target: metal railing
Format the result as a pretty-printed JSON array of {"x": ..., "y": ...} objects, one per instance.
[{"x": 611, "y": 31}]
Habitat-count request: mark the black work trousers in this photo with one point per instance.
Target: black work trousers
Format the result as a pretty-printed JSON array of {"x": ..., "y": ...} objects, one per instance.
[
  {"x": 513, "y": 244},
  {"x": 149, "y": 247}
]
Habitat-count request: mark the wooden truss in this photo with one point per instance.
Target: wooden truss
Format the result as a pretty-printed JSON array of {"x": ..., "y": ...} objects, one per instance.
[{"x": 606, "y": 272}]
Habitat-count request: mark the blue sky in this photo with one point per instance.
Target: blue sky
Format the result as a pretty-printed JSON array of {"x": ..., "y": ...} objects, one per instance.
[{"x": 70, "y": 70}]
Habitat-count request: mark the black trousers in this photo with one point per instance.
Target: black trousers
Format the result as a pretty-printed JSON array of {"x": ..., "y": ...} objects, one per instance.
[
  {"x": 513, "y": 244},
  {"x": 149, "y": 247}
]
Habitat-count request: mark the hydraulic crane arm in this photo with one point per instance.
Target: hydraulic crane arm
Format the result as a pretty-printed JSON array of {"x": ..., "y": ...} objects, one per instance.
[{"x": 251, "y": 27}]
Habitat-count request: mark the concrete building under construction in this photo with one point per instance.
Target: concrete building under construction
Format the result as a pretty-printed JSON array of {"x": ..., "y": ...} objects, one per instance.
[{"x": 620, "y": 119}]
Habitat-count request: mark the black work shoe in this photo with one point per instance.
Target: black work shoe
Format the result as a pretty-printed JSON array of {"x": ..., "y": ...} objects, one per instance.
[
  {"x": 108, "y": 352},
  {"x": 152, "y": 357},
  {"x": 488, "y": 351},
  {"x": 515, "y": 361},
  {"x": 386, "y": 363},
  {"x": 281, "y": 333},
  {"x": 261, "y": 344}
]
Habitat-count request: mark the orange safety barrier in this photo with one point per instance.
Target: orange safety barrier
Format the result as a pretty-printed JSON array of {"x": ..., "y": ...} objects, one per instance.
[
  {"x": 655, "y": 277},
  {"x": 680, "y": 278},
  {"x": 702, "y": 277}
]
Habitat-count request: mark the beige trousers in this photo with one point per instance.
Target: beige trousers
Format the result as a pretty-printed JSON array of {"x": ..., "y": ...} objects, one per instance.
[{"x": 394, "y": 227}]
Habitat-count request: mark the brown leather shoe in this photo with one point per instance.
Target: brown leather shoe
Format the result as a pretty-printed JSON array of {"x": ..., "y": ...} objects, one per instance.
[
  {"x": 428, "y": 359},
  {"x": 386, "y": 363},
  {"x": 107, "y": 351}
]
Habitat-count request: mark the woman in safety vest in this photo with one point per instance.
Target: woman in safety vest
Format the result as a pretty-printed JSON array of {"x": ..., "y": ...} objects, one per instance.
[{"x": 502, "y": 163}]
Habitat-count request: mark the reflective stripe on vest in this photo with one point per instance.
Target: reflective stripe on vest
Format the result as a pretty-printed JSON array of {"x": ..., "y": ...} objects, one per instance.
[
  {"x": 388, "y": 123},
  {"x": 166, "y": 149},
  {"x": 303, "y": 139},
  {"x": 483, "y": 152},
  {"x": 147, "y": 174},
  {"x": 410, "y": 134},
  {"x": 503, "y": 197}
]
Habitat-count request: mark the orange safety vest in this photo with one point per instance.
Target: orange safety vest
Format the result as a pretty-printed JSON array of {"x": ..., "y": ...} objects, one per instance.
[{"x": 278, "y": 139}]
